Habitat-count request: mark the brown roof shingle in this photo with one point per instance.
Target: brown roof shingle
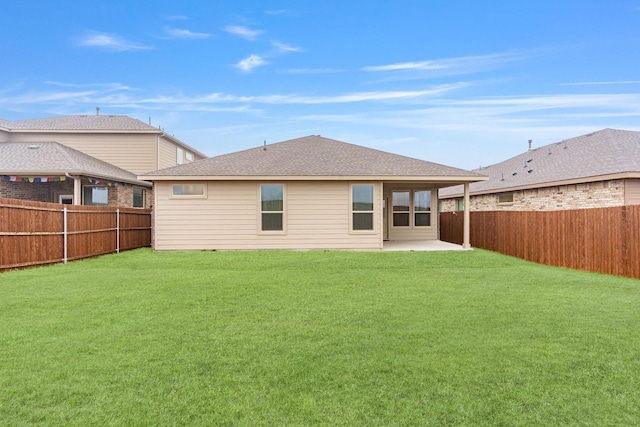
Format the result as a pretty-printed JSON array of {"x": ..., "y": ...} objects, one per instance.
[
  {"x": 601, "y": 153},
  {"x": 312, "y": 156},
  {"x": 81, "y": 122},
  {"x": 33, "y": 158}
]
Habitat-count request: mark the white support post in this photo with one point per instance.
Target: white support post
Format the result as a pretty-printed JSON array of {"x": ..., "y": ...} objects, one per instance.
[
  {"x": 466, "y": 239},
  {"x": 77, "y": 191},
  {"x": 64, "y": 235},
  {"x": 117, "y": 231}
]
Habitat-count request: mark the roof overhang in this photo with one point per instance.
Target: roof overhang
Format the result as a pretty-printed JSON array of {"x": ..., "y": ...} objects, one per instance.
[
  {"x": 448, "y": 180},
  {"x": 75, "y": 173},
  {"x": 610, "y": 177}
]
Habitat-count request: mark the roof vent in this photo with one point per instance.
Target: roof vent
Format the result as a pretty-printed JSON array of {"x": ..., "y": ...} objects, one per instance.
[
  {"x": 530, "y": 142},
  {"x": 33, "y": 147},
  {"x": 530, "y": 170}
]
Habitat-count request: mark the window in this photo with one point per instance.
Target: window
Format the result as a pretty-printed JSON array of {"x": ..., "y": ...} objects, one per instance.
[
  {"x": 422, "y": 208},
  {"x": 411, "y": 209},
  {"x": 193, "y": 190},
  {"x": 96, "y": 196},
  {"x": 179, "y": 156},
  {"x": 362, "y": 207},
  {"x": 188, "y": 156},
  {"x": 460, "y": 204},
  {"x": 138, "y": 197},
  {"x": 505, "y": 198},
  {"x": 272, "y": 207},
  {"x": 401, "y": 208}
]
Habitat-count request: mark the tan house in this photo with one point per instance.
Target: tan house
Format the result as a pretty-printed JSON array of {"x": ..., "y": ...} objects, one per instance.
[
  {"x": 600, "y": 169},
  {"x": 305, "y": 193},
  {"x": 88, "y": 159}
]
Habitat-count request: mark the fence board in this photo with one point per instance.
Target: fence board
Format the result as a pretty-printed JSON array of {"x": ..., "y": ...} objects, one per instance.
[
  {"x": 603, "y": 240},
  {"x": 32, "y": 233}
]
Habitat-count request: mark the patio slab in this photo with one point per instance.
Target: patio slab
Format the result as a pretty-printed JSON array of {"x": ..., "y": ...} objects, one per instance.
[{"x": 421, "y": 245}]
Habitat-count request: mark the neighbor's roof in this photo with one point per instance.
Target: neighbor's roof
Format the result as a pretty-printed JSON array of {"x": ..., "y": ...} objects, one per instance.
[
  {"x": 82, "y": 122},
  {"x": 605, "y": 154},
  {"x": 313, "y": 157},
  {"x": 52, "y": 158},
  {"x": 90, "y": 123}
]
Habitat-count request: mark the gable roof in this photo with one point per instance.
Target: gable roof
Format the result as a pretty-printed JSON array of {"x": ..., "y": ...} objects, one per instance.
[
  {"x": 52, "y": 158},
  {"x": 81, "y": 122},
  {"x": 312, "y": 157},
  {"x": 600, "y": 155}
]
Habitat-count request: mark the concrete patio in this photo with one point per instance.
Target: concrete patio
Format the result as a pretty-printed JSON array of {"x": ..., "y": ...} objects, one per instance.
[{"x": 421, "y": 245}]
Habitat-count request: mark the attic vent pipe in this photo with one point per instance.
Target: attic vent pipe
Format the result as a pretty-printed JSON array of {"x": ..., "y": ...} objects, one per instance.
[
  {"x": 97, "y": 111},
  {"x": 265, "y": 145},
  {"x": 530, "y": 141}
]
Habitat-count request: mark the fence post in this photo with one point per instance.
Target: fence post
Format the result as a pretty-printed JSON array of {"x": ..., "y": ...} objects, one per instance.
[
  {"x": 64, "y": 235},
  {"x": 117, "y": 231}
]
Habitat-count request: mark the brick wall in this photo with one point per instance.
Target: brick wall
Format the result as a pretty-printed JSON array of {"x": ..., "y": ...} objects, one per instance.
[
  {"x": 599, "y": 194},
  {"x": 120, "y": 195}
]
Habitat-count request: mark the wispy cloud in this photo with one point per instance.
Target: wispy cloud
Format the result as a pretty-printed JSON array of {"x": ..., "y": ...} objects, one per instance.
[
  {"x": 311, "y": 71},
  {"x": 424, "y": 65},
  {"x": 450, "y": 66},
  {"x": 251, "y": 62},
  {"x": 109, "y": 41},
  {"x": 283, "y": 47},
  {"x": 244, "y": 32},
  {"x": 622, "y": 82},
  {"x": 179, "y": 33}
]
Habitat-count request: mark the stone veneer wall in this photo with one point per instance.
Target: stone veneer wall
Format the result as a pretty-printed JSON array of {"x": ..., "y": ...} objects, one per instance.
[
  {"x": 599, "y": 194},
  {"x": 119, "y": 195}
]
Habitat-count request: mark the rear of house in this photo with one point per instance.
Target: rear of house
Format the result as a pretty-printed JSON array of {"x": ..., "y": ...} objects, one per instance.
[{"x": 306, "y": 193}]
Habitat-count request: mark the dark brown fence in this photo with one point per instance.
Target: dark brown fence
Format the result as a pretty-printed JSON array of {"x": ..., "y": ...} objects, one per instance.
[
  {"x": 604, "y": 240},
  {"x": 34, "y": 233}
]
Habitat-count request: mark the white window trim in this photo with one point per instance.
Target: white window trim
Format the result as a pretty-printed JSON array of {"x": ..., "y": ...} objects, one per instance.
[
  {"x": 412, "y": 209},
  {"x": 188, "y": 196},
  {"x": 374, "y": 211},
  {"x": 284, "y": 211}
]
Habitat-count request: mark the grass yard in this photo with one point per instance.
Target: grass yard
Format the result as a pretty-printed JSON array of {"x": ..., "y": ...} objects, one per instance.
[{"x": 317, "y": 338}]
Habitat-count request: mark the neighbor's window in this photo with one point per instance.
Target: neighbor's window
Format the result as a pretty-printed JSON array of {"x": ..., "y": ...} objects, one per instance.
[
  {"x": 193, "y": 190},
  {"x": 272, "y": 207},
  {"x": 96, "y": 196},
  {"x": 179, "y": 155},
  {"x": 401, "y": 208},
  {"x": 505, "y": 198},
  {"x": 460, "y": 204},
  {"x": 422, "y": 208},
  {"x": 362, "y": 207},
  {"x": 138, "y": 197},
  {"x": 188, "y": 156}
]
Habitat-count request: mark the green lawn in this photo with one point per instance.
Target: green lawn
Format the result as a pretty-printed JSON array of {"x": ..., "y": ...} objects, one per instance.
[{"x": 317, "y": 338}]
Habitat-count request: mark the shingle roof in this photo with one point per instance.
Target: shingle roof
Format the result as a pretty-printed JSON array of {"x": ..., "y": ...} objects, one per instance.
[
  {"x": 313, "y": 156},
  {"x": 81, "y": 122},
  {"x": 38, "y": 158},
  {"x": 601, "y": 153}
]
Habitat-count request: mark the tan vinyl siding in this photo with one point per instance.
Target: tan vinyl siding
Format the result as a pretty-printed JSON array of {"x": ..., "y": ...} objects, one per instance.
[
  {"x": 632, "y": 192},
  {"x": 133, "y": 152},
  {"x": 317, "y": 217},
  {"x": 166, "y": 154}
]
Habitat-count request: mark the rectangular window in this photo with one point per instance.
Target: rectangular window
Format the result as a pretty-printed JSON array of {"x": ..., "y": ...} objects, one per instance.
[
  {"x": 188, "y": 156},
  {"x": 272, "y": 207},
  {"x": 460, "y": 204},
  {"x": 193, "y": 190},
  {"x": 401, "y": 208},
  {"x": 422, "y": 208},
  {"x": 362, "y": 207},
  {"x": 138, "y": 197},
  {"x": 95, "y": 196},
  {"x": 179, "y": 155},
  {"x": 505, "y": 198}
]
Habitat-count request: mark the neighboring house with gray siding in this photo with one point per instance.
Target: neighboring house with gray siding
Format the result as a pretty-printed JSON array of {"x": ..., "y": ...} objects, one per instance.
[
  {"x": 85, "y": 159},
  {"x": 600, "y": 169},
  {"x": 305, "y": 193}
]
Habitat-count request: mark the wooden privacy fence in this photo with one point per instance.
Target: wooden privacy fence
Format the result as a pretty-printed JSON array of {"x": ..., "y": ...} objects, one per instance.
[
  {"x": 603, "y": 240},
  {"x": 34, "y": 233}
]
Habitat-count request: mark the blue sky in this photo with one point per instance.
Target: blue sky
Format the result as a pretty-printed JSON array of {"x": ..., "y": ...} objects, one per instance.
[{"x": 461, "y": 82}]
